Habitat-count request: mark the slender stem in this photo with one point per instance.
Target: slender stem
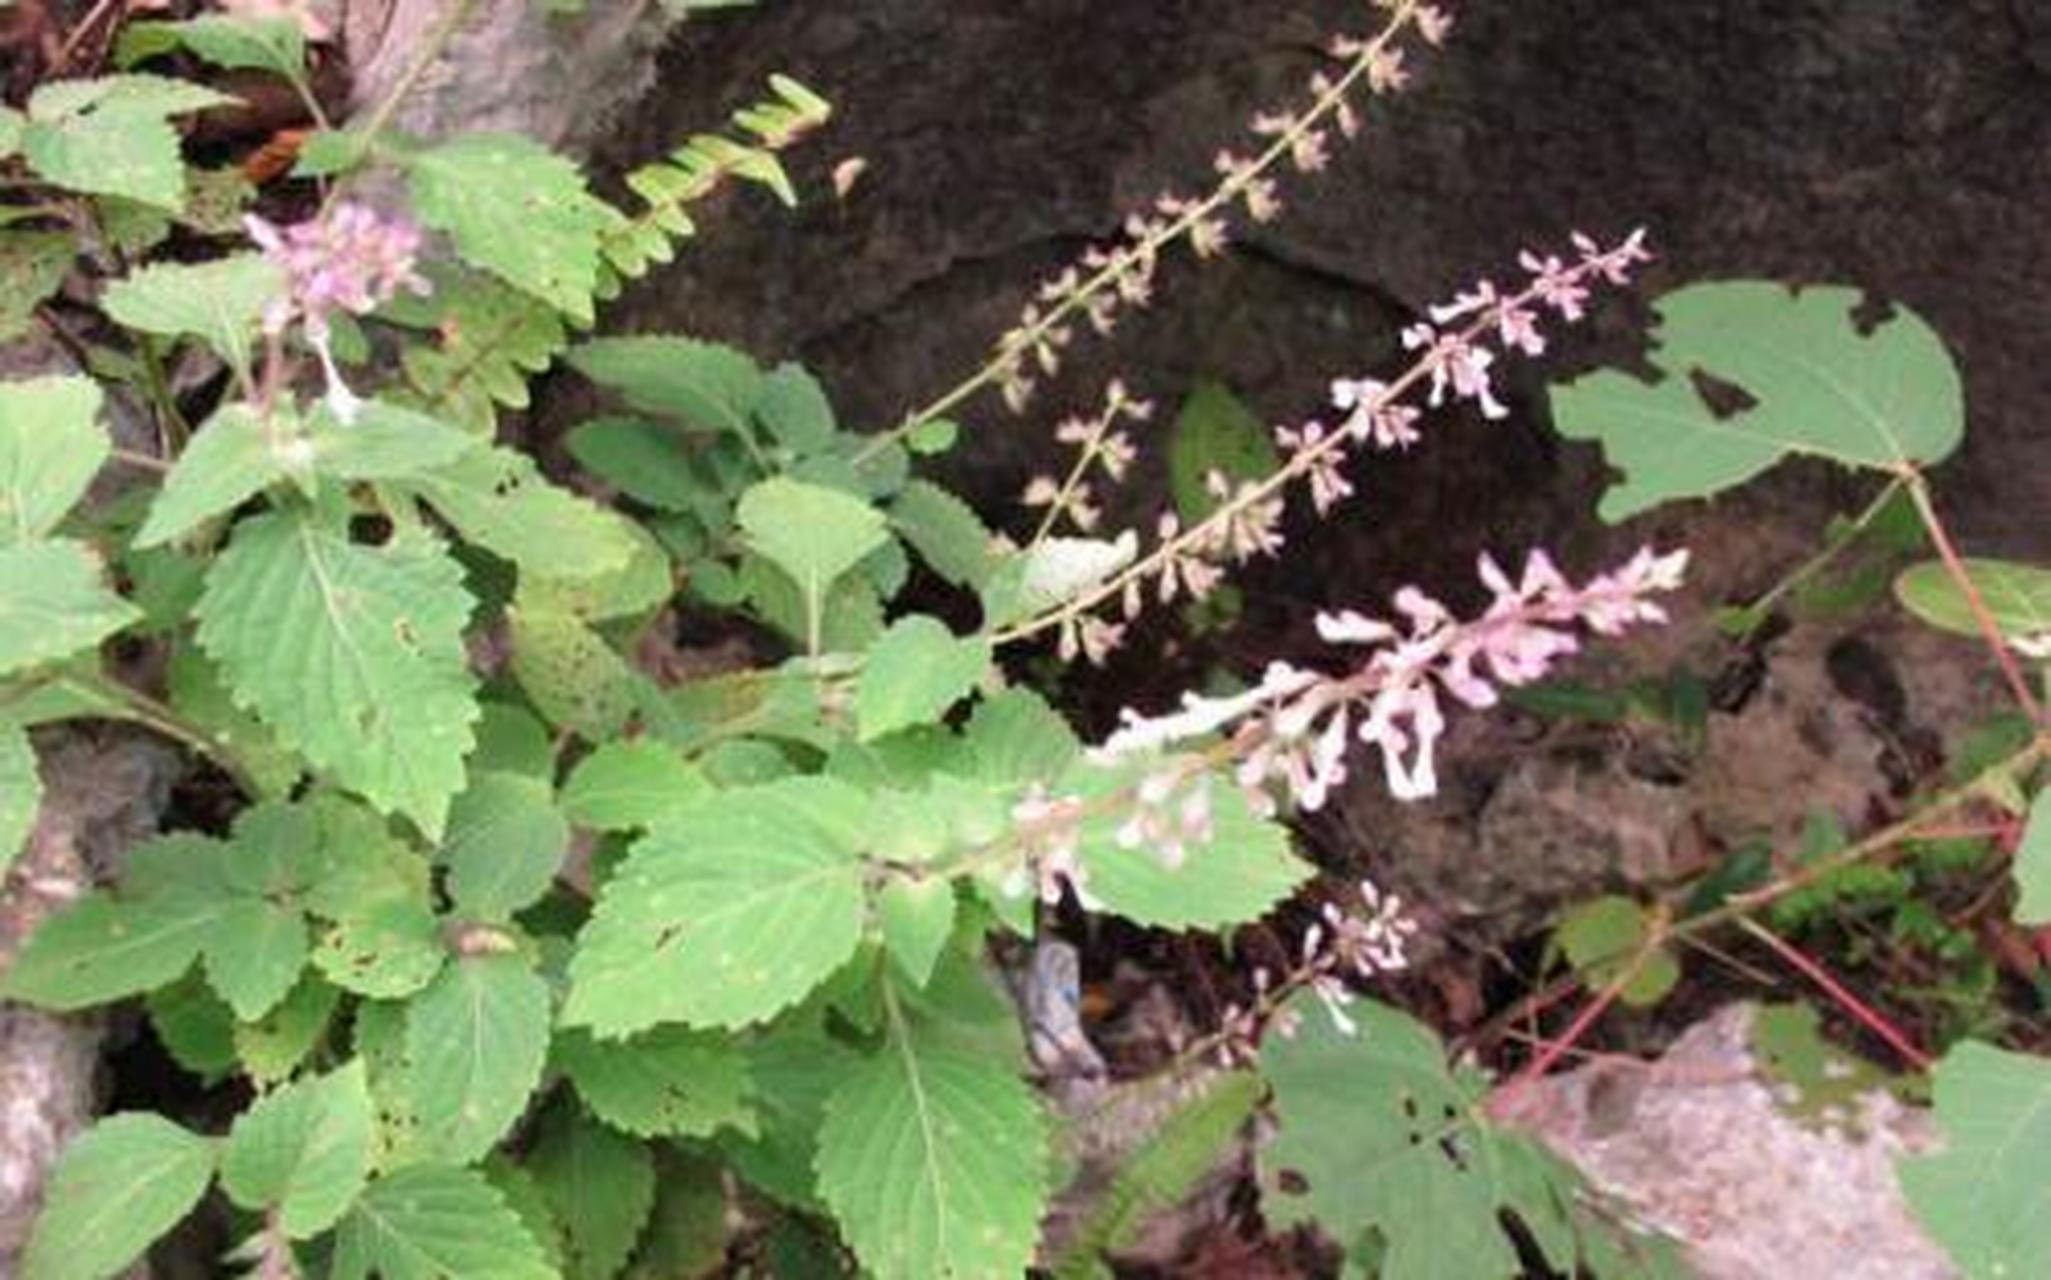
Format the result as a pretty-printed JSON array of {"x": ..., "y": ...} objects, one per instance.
[
  {"x": 1990, "y": 631},
  {"x": 1831, "y": 551},
  {"x": 1859, "y": 1009},
  {"x": 141, "y": 461},
  {"x": 152, "y": 714},
  {"x": 157, "y": 384},
  {"x": 1583, "y": 1020},
  {"x": 1030, "y": 336}
]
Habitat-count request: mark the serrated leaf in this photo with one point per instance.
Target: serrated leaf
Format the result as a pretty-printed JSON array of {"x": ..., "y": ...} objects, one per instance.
[
  {"x": 523, "y": 1195},
  {"x": 795, "y": 409},
  {"x": 946, "y": 532},
  {"x": 2032, "y": 865},
  {"x": 667, "y": 1082},
  {"x": 486, "y": 340},
  {"x": 795, "y": 1067},
  {"x": 51, "y": 447},
  {"x": 386, "y": 949},
  {"x": 917, "y": 917},
  {"x": 229, "y": 460},
  {"x": 1815, "y": 386},
  {"x": 274, "y": 1046},
  {"x": 431, "y": 1222},
  {"x": 2017, "y": 597},
  {"x": 568, "y": 671},
  {"x": 601, "y": 1185},
  {"x": 118, "y": 1186},
  {"x": 55, "y": 604},
  {"x": 1984, "y": 1196},
  {"x": 1391, "y": 1141},
  {"x": 1601, "y": 939},
  {"x": 687, "y": 1229},
  {"x": 303, "y": 1152},
  {"x": 1018, "y": 738},
  {"x": 1215, "y": 431},
  {"x": 100, "y": 949},
  {"x": 254, "y": 955},
  {"x": 353, "y": 654},
  {"x": 645, "y": 461},
  {"x": 198, "y": 695},
  {"x": 512, "y": 739},
  {"x": 914, "y": 673},
  {"x": 110, "y": 137},
  {"x": 719, "y": 918},
  {"x": 21, "y": 792},
  {"x": 934, "y": 1162},
  {"x": 704, "y": 384},
  {"x": 624, "y": 784},
  {"x": 506, "y": 840},
  {"x": 497, "y": 499},
  {"x": 195, "y": 1026},
  {"x": 33, "y": 265},
  {"x": 813, "y": 534},
  {"x": 383, "y": 442},
  {"x": 239, "y": 41},
  {"x": 1239, "y": 873},
  {"x": 516, "y": 209},
  {"x": 475, "y": 1042},
  {"x": 219, "y": 301}
]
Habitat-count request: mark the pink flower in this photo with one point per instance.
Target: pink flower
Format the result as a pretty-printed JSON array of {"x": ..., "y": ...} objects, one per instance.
[{"x": 352, "y": 259}]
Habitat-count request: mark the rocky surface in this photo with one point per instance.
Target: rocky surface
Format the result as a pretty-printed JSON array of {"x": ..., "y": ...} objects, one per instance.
[{"x": 1700, "y": 1146}]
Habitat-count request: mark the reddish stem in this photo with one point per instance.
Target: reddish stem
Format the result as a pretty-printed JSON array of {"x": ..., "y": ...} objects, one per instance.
[
  {"x": 1990, "y": 630},
  {"x": 1868, "y": 1017}
]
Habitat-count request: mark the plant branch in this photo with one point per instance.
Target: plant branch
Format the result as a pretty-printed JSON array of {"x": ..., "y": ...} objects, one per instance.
[{"x": 1990, "y": 630}]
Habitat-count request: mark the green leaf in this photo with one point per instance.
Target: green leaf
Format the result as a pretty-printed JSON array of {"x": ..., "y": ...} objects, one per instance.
[
  {"x": 55, "y": 603},
  {"x": 568, "y": 671},
  {"x": 1984, "y": 1197},
  {"x": 1602, "y": 937},
  {"x": 813, "y": 534},
  {"x": 354, "y": 654},
  {"x": 1391, "y": 1141},
  {"x": 1245, "y": 868},
  {"x": 624, "y": 784},
  {"x": 917, "y": 917},
  {"x": 2032, "y": 865},
  {"x": 719, "y": 918},
  {"x": 21, "y": 791},
  {"x": 946, "y": 532},
  {"x": 302, "y": 1152},
  {"x": 1814, "y": 385},
  {"x": 119, "y": 1185},
  {"x": 51, "y": 447},
  {"x": 668, "y": 1082},
  {"x": 703, "y": 384},
  {"x": 498, "y": 500},
  {"x": 933, "y": 436},
  {"x": 645, "y": 461},
  {"x": 1215, "y": 431},
  {"x": 914, "y": 674},
  {"x": 516, "y": 1183},
  {"x": 506, "y": 840},
  {"x": 195, "y": 1025},
  {"x": 601, "y": 1186},
  {"x": 219, "y": 301},
  {"x": 384, "y": 442},
  {"x": 795, "y": 409},
  {"x": 110, "y": 137},
  {"x": 229, "y": 460},
  {"x": 198, "y": 695},
  {"x": 516, "y": 209},
  {"x": 274, "y": 1046},
  {"x": 1018, "y": 738},
  {"x": 33, "y": 265},
  {"x": 431, "y": 1222},
  {"x": 238, "y": 42},
  {"x": 476, "y": 1039},
  {"x": 387, "y": 948},
  {"x": 934, "y": 1161},
  {"x": 2017, "y": 597},
  {"x": 254, "y": 954},
  {"x": 1813, "y": 1080},
  {"x": 99, "y": 950},
  {"x": 687, "y": 1230}
]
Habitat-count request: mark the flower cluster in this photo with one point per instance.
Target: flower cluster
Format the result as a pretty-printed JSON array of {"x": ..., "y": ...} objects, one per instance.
[
  {"x": 1455, "y": 360},
  {"x": 1099, "y": 446},
  {"x": 1342, "y": 947},
  {"x": 1293, "y": 728},
  {"x": 1122, "y": 274},
  {"x": 350, "y": 258}
]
